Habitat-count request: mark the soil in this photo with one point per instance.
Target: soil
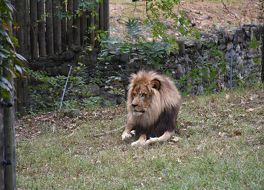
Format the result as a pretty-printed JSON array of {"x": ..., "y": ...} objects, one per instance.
[
  {"x": 210, "y": 15},
  {"x": 204, "y": 14}
]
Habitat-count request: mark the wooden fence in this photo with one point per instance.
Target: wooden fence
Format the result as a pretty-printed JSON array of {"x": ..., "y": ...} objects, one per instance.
[
  {"x": 7, "y": 146},
  {"x": 48, "y": 27},
  {"x": 2, "y": 157}
]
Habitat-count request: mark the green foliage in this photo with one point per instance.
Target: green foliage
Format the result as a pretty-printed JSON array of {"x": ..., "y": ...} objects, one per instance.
[
  {"x": 151, "y": 53},
  {"x": 257, "y": 60},
  {"x": 46, "y": 91},
  {"x": 133, "y": 28},
  {"x": 10, "y": 61},
  {"x": 254, "y": 44},
  {"x": 165, "y": 9},
  {"x": 205, "y": 74},
  {"x": 161, "y": 24}
]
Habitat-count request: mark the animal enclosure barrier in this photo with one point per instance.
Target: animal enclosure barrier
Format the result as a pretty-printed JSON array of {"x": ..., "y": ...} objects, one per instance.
[{"x": 50, "y": 27}]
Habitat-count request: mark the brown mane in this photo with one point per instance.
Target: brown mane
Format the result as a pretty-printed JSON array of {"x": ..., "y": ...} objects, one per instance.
[
  {"x": 153, "y": 103},
  {"x": 167, "y": 95}
]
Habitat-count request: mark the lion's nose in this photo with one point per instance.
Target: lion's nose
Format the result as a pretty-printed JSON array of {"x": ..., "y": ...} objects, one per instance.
[{"x": 134, "y": 105}]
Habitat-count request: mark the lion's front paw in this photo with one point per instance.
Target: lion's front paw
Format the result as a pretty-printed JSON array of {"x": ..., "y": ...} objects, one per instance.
[
  {"x": 138, "y": 143},
  {"x": 126, "y": 136}
]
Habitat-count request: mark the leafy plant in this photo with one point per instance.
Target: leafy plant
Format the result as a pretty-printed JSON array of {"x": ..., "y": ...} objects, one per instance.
[
  {"x": 45, "y": 92},
  {"x": 10, "y": 60},
  {"x": 254, "y": 44},
  {"x": 206, "y": 75}
]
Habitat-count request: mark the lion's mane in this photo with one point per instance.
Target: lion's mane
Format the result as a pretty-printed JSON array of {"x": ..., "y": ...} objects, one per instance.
[{"x": 162, "y": 112}]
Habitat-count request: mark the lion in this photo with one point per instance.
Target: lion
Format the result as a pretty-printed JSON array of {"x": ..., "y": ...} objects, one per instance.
[{"x": 153, "y": 104}]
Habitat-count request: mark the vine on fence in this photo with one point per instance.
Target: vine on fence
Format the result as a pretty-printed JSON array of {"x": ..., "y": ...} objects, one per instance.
[{"x": 10, "y": 60}]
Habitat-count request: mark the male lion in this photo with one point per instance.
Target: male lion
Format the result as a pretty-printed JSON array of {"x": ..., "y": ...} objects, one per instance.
[{"x": 153, "y": 103}]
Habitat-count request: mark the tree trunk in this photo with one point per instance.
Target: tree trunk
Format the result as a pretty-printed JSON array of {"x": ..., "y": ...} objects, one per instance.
[
  {"x": 76, "y": 23},
  {"x": 57, "y": 26},
  {"x": 41, "y": 29},
  {"x": 34, "y": 29},
  {"x": 262, "y": 52},
  {"x": 2, "y": 171},
  {"x": 49, "y": 32},
  {"x": 69, "y": 24},
  {"x": 9, "y": 139}
]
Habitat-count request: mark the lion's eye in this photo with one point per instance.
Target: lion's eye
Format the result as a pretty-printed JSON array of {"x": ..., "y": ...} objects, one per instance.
[{"x": 142, "y": 96}]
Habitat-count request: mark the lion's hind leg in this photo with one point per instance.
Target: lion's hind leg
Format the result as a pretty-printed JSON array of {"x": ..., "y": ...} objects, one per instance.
[{"x": 165, "y": 137}]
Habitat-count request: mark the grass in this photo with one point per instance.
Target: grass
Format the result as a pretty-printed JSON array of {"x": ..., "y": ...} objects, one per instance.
[{"x": 221, "y": 146}]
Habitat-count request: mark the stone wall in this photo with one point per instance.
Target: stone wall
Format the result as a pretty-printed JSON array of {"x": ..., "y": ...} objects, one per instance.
[{"x": 222, "y": 59}]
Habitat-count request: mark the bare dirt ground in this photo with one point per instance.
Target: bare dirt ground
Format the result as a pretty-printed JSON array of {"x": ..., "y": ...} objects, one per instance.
[
  {"x": 204, "y": 14},
  {"x": 208, "y": 14}
]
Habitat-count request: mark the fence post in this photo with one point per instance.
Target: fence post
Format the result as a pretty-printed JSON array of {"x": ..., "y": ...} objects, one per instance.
[
  {"x": 262, "y": 53},
  {"x": 34, "y": 29},
  {"x": 83, "y": 27},
  {"x": 49, "y": 27},
  {"x": 41, "y": 29},
  {"x": 19, "y": 4},
  {"x": 21, "y": 32},
  {"x": 69, "y": 24},
  {"x": 9, "y": 138},
  {"x": 2, "y": 157},
  {"x": 63, "y": 27},
  {"x": 57, "y": 26},
  {"x": 91, "y": 24},
  {"x": 101, "y": 15},
  {"x": 106, "y": 15},
  {"x": 76, "y": 23},
  {"x": 26, "y": 17}
]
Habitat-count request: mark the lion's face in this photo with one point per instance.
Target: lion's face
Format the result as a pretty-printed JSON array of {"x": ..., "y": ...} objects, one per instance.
[
  {"x": 141, "y": 99},
  {"x": 142, "y": 96}
]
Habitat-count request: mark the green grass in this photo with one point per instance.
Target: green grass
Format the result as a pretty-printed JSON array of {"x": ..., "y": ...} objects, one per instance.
[{"x": 221, "y": 146}]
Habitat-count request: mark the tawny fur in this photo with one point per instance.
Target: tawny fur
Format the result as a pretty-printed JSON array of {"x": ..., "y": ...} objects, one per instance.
[{"x": 165, "y": 96}]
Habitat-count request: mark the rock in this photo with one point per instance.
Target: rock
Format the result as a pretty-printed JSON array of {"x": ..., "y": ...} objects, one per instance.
[
  {"x": 200, "y": 89},
  {"x": 229, "y": 56},
  {"x": 238, "y": 49},
  {"x": 179, "y": 71},
  {"x": 94, "y": 89},
  {"x": 124, "y": 57},
  {"x": 229, "y": 46}
]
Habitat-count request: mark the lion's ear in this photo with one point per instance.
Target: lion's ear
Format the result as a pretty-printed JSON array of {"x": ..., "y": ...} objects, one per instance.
[{"x": 155, "y": 83}]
